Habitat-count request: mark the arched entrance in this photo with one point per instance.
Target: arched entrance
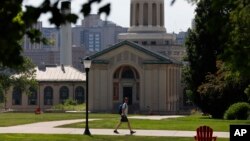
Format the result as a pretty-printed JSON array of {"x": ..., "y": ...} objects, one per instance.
[{"x": 126, "y": 83}]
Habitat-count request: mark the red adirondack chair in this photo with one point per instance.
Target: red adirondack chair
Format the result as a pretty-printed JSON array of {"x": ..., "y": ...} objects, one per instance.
[{"x": 204, "y": 133}]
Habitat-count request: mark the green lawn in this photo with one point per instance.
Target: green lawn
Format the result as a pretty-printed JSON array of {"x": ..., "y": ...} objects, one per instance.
[
  {"x": 42, "y": 137},
  {"x": 9, "y": 119},
  {"x": 183, "y": 123},
  {"x": 110, "y": 120}
]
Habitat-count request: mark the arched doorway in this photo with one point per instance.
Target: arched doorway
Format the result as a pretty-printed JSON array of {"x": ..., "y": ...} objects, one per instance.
[{"x": 126, "y": 83}]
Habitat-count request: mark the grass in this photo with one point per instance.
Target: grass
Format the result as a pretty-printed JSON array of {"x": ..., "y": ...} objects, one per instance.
[
  {"x": 109, "y": 121},
  {"x": 42, "y": 137},
  {"x": 9, "y": 119},
  {"x": 189, "y": 123}
]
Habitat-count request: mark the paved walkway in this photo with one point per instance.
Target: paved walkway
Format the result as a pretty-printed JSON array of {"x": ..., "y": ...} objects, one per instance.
[{"x": 51, "y": 128}]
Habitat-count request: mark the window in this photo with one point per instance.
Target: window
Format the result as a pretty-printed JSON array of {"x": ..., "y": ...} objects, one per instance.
[
  {"x": 144, "y": 42},
  {"x": 79, "y": 94},
  {"x": 153, "y": 42},
  {"x": 64, "y": 94},
  {"x": 127, "y": 73},
  {"x": 17, "y": 96},
  {"x": 32, "y": 98},
  {"x": 48, "y": 95}
]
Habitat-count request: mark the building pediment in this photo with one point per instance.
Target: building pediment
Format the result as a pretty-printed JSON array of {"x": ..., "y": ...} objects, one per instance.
[{"x": 128, "y": 51}]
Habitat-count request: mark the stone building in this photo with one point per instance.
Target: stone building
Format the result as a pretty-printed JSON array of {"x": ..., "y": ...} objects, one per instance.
[
  {"x": 55, "y": 85},
  {"x": 147, "y": 28},
  {"x": 150, "y": 80}
]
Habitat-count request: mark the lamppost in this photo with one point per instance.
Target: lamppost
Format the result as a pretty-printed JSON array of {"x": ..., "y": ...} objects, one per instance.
[{"x": 87, "y": 63}]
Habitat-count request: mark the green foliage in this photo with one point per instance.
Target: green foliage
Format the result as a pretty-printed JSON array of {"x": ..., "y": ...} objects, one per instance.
[
  {"x": 22, "y": 76},
  {"x": 69, "y": 105},
  {"x": 217, "y": 94},
  {"x": 15, "y": 23},
  {"x": 240, "y": 111},
  {"x": 218, "y": 53},
  {"x": 237, "y": 50},
  {"x": 204, "y": 43},
  {"x": 70, "y": 102}
]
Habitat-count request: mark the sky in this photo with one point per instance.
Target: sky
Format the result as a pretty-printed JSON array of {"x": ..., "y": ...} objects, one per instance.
[{"x": 178, "y": 17}]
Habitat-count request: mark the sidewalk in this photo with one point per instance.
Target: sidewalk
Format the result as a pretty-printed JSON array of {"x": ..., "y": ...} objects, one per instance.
[{"x": 50, "y": 128}]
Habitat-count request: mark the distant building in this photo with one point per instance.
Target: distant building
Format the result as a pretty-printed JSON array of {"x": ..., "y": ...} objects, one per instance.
[
  {"x": 92, "y": 36},
  {"x": 95, "y": 34},
  {"x": 181, "y": 38},
  {"x": 56, "y": 84},
  {"x": 147, "y": 28},
  {"x": 145, "y": 66}
]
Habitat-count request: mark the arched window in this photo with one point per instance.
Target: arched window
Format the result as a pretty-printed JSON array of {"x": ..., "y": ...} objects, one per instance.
[
  {"x": 32, "y": 98},
  {"x": 64, "y": 94},
  {"x": 17, "y": 96},
  {"x": 48, "y": 95},
  {"x": 79, "y": 94},
  {"x": 127, "y": 73}
]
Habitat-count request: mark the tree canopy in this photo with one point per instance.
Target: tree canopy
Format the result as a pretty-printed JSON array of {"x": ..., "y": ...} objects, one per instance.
[{"x": 218, "y": 53}]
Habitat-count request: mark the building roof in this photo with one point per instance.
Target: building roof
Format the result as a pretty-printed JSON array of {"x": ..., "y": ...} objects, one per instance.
[
  {"x": 59, "y": 73},
  {"x": 162, "y": 59}
]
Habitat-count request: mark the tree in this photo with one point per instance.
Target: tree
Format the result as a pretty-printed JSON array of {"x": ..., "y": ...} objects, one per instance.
[
  {"x": 15, "y": 23},
  {"x": 215, "y": 49},
  {"x": 22, "y": 77},
  {"x": 237, "y": 52},
  {"x": 204, "y": 43}
]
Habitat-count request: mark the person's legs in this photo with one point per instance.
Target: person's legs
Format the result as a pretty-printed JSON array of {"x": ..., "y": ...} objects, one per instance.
[
  {"x": 118, "y": 125},
  {"x": 129, "y": 127},
  {"x": 131, "y": 131}
]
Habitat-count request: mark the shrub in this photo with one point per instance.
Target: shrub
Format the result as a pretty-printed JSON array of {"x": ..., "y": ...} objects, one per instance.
[
  {"x": 70, "y": 102},
  {"x": 238, "y": 111}
]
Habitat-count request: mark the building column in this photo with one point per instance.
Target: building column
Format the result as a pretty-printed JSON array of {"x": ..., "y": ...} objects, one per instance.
[
  {"x": 158, "y": 14},
  {"x": 150, "y": 5},
  {"x": 132, "y": 14},
  {"x": 141, "y": 14},
  {"x": 162, "y": 14}
]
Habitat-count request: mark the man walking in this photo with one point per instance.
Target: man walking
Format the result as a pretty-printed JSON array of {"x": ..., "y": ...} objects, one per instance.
[{"x": 124, "y": 117}]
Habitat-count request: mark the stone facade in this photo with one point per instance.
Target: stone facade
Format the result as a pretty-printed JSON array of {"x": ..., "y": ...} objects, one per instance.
[
  {"x": 151, "y": 81},
  {"x": 55, "y": 85}
]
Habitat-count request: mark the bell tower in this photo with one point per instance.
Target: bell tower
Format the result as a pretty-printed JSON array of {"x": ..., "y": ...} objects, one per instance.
[{"x": 147, "y": 16}]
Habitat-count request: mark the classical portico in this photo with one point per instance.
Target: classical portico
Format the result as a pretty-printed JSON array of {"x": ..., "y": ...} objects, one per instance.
[{"x": 148, "y": 79}]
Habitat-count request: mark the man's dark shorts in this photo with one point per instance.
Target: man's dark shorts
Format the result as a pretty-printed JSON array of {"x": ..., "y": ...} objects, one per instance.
[{"x": 124, "y": 119}]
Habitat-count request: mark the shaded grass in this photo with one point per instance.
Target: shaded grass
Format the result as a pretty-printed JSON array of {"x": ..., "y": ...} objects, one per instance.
[{"x": 42, "y": 137}]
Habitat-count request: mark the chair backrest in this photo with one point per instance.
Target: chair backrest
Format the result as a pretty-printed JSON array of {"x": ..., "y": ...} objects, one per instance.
[{"x": 204, "y": 133}]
